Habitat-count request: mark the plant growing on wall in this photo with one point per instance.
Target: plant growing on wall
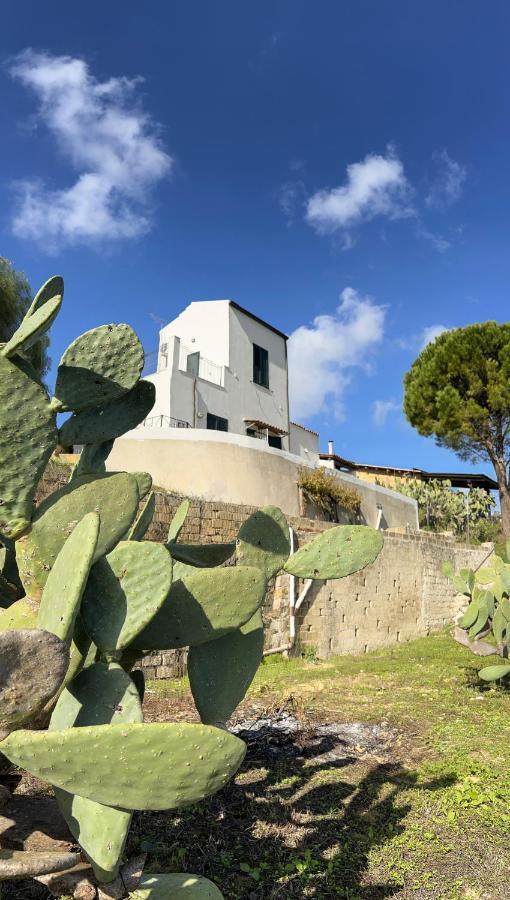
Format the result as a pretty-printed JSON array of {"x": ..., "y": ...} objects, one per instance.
[
  {"x": 84, "y": 597},
  {"x": 325, "y": 490},
  {"x": 485, "y": 625}
]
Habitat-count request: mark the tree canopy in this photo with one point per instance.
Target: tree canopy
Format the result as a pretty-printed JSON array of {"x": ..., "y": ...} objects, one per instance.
[
  {"x": 15, "y": 298},
  {"x": 458, "y": 390}
]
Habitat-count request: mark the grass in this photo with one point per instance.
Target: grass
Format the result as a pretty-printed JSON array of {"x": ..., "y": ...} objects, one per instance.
[{"x": 432, "y": 821}]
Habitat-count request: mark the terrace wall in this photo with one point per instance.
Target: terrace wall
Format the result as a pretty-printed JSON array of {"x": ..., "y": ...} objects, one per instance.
[{"x": 403, "y": 595}]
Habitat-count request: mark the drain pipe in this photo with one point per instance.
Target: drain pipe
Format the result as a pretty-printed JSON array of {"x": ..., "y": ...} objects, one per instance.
[
  {"x": 292, "y": 602},
  {"x": 379, "y": 517},
  {"x": 293, "y": 605}
]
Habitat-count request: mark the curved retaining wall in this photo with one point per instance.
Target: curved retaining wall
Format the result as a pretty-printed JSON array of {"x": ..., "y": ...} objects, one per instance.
[{"x": 241, "y": 470}]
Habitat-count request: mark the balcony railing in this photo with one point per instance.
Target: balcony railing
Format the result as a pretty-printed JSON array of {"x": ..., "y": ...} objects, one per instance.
[
  {"x": 164, "y": 422},
  {"x": 206, "y": 368}
]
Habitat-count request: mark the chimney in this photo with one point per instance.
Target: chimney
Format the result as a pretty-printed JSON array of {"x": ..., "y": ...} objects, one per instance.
[{"x": 331, "y": 448}]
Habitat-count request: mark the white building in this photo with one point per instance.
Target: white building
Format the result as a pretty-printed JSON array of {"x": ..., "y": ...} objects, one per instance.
[
  {"x": 220, "y": 367},
  {"x": 220, "y": 427}
]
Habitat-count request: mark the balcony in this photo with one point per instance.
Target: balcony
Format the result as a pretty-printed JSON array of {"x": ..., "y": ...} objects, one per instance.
[
  {"x": 192, "y": 362},
  {"x": 164, "y": 422}
]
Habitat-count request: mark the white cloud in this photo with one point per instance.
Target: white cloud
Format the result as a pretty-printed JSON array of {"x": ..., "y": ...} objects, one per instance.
[
  {"x": 322, "y": 354},
  {"x": 101, "y": 130},
  {"x": 290, "y": 198},
  {"x": 448, "y": 182},
  {"x": 440, "y": 243},
  {"x": 430, "y": 333},
  {"x": 376, "y": 186},
  {"x": 381, "y": 409}
]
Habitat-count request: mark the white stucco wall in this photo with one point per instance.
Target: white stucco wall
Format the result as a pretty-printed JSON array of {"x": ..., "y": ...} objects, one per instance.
[
  {"x": 203, "y": 326},
  {"x": 304, "y": 442},
  {"x": 250, "y": 399},
  {"x": 239, "y": 469},
  {"x": 225, "y": 335}
]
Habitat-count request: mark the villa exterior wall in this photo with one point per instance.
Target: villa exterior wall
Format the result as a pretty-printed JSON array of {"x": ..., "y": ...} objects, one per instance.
[
  {"x": 241, "y": 470},
  {"x": 224, "y": 336}
]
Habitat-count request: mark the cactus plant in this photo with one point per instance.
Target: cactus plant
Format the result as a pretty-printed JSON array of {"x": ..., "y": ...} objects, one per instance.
[
  {"x": 484, "y": 626},
  {"x": 83, "y": 596}
]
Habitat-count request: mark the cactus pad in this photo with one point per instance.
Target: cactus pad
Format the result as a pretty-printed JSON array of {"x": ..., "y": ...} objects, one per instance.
[
  {"x": 143, "y": 520},
  {"x": 92, "y": 460},
  {"x": 264, "y": 541},
  {"x": 494, "y": 673},
  {"x": 33, "y": 326},
  {"x": 93, "y": 426},
  {"x": 28, "y": 436},
  {"x": 203, "y": 556},
  {"x": 204, "y": 607},
  {"x": 176, "y": 886},
  {"x": 113, "y": 496},
  {"x": 178, "y": 520},
  {"x": 221, "y": 671},
  {"x": 124, "y": 591},
  {"x": 150, "y": 766},
  {"x": 336, "y": 552},
  {"x": 99, "y": 695},
  {"x": 65, "y": 584},
  {"x": 51, "y": 288},
  {"x": 144, "y": 482},
  {"x": 22, "y": 614},
  {"x": 98, "y": 367},
  {"x": 33, "y": 665}
]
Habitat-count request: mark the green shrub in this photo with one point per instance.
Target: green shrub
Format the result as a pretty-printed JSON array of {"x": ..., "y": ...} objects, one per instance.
[{"x": 321, "y": 487}]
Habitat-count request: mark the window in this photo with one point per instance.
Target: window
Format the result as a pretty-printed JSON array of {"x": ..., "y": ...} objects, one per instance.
[
  {"x": 274, "y": 440},
  {"x": 250, "y": 432},
  {"x": 216, "y": 423},
  {"x": 260, "y": 366}
]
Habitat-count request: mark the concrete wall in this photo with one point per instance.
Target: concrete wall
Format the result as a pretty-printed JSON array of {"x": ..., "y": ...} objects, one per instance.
[
  {"x": 303, "y": 442},
  {"x": 238, "y": 469}
]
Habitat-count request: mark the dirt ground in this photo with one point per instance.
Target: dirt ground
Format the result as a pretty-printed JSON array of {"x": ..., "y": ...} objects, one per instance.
[{"x": 410, "y": 801}]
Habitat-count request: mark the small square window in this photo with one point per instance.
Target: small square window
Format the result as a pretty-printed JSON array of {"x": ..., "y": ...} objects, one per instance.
[{"x": 260, "y": 366}]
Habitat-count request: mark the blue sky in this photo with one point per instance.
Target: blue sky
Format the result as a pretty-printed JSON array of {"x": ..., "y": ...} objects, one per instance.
[{"x": 341, "y": 169}]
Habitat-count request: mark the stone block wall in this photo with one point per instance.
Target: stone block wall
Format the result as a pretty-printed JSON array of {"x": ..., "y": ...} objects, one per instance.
[{"x": 403, "y": 595}]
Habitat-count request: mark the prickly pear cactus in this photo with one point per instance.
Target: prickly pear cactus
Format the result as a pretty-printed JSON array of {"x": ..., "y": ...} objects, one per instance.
[
  {"x": 484, "y": 626},
  {"x": 83, "y": 596}
]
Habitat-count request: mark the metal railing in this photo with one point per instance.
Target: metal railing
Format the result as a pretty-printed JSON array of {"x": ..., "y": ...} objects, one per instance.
[
  {"x": 207, "y": 369},
  {"x": 164, "y": 422}
]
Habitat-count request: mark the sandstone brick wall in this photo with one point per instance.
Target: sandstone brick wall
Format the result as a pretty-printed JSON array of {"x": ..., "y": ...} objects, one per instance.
[{"x": 402, "y": 596}]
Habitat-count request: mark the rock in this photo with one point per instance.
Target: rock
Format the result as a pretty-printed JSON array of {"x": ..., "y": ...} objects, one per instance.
[
  {"x": 77, "y": 882},
  {"x": 128, "y": 879}
]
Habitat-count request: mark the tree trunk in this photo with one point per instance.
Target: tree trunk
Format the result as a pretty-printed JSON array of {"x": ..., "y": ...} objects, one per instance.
[{"x": 504, "y": 496}]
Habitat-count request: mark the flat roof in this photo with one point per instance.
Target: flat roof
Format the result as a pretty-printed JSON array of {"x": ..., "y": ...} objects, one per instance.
[
  {"x": 457, "y": 479},
  {"x": 257, "y": 319}
]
